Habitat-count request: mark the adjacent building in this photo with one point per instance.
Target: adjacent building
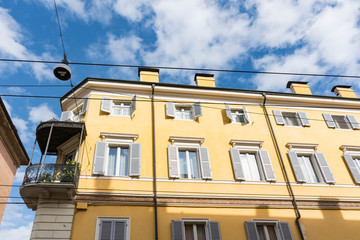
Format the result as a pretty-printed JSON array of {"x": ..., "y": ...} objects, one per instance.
[
  {"x": 150, "y": 160},
  {"x": 12, "y": 155}
]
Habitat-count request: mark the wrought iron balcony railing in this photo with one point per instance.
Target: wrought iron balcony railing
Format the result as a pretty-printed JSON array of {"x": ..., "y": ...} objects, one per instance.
[{"x": 52, "y": 173}]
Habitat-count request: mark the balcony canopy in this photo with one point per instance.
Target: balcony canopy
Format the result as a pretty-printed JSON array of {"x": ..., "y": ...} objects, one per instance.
[{"x": 61, "y": 132}]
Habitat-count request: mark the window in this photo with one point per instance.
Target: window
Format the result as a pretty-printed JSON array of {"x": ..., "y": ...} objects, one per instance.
[
  {"x": 70, "y": 157},
  {"x": 309, "y": 166},
  {"x": 352, "y": 159},
  {"x": 291, "y": 118},
  {"x": 118, "y": 161},
  {"x": 117, "y": 155},
  {"x": 121, "y": 108},
  {"x": 76, "y": 114},
  {"x": 195, "y": 229},
  {"x": 118, "y": 107},
  {"x": 341, "y": 121},
  {"x": 268, "y": 230},
  {"x": 183, "y": 111},
  {"x": 188, "y": 160},
  {"x": 189, "y": 164},
  {"x": 237, "y": 115},
  {"x": 113, "y": 229},
  {"x": 250, "y": 163}
]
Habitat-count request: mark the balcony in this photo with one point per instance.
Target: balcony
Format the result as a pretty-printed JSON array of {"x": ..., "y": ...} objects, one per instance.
[
  {"x": 55, "y": 181},
  {"x": 49, "y": 180}
]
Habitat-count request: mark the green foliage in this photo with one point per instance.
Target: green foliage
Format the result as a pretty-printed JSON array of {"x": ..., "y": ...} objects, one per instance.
[
  {"x": 45, "y": 177},
  {"x": 68, "y": 172}
]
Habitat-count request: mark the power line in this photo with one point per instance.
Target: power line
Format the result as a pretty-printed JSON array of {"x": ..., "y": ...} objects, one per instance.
[{"x": 186, "y": 68}]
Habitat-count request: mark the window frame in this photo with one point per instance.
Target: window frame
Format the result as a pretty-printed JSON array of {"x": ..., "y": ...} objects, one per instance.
[
  {"x": 315, "y": 165},
  {"x": 120, "y": 146},
  {"x": 259, "y": 165},
  {"x": 194, "y": 221},
  {"x": 182, "y": 108},
  {"x": 188, "y": 144},
  {"x": 301, "y": 118},
  {"x": 127, "y": 221},
  {"x": 336, "y": 122},
  {"x": 286, "y": 121},
  {"x": 122, "y": 104},
  {"x": 268, "y": 222},
  {"x": 351, "y": 151},
  {"x": 252, "y": 147},
  {"x": 318, "y": 160},
  {"x": 188, "y": 149},
  {"x": 238, "y": 112}
]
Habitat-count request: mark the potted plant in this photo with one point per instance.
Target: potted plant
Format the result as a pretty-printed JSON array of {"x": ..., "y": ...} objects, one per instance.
[
  {"x": 45, "y": 177},
  {"x": 68, "y": 172}
]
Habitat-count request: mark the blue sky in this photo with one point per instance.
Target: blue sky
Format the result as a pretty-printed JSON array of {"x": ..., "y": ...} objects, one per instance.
[{"x": 305, "y": 36}]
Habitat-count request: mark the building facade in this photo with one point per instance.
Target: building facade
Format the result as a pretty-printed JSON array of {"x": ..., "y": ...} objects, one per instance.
[
  {"x": 12, "y": 155},
  {"x": 150, "y": 160}
]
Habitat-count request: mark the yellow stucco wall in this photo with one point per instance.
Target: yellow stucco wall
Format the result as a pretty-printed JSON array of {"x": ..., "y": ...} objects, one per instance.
[{"x": 217, "y": 131}]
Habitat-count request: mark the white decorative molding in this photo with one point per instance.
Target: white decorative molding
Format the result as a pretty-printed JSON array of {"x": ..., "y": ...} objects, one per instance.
[
  {"x": 246, "y": 143},
  {"x": 350, "y": 148},
  {"x": 186, "y": 140},
  {"x": 302, "y": 146},
  {"x": 118, "y": 136}
]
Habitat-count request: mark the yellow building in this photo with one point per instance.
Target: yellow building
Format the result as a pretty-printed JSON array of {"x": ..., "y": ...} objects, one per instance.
[{"x": 150, "y": 160}]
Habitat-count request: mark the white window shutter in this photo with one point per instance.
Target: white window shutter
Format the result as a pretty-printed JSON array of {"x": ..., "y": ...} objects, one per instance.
[
  {"x": 177, "y": 230},
  {"x": 214, "y": 230},
  {"x": 106, "y": 104},
  {"x": 105, "y": 229},
  {"x": 205, "y": 163},
  {"x": 329, "y": 120},
  {"x": 99, "y": 158},
  {"x": 133, "y": 105},
  {"x": 251, "y": 231},
  {"x": 351, "y": 165},
  {"x": 267, "y": 166},
  {"x": 173, "y": 158},
  {"x": 278, "y": 117},
  {"x": 304, "y": 119},
  {"x": 296, "y": 166},
  {"x": 84, "y": 106},
  {"x": 120, "y": 230},
  {"x": 196, "y": 110},
  {"x": 353, "y": 122},
  {"x": 285, "y": 231},
  {"x": 228, "y": 112},
  {"x": 66, "y": 115},
  {"x": 324, "y": 167},
  {"x": 246, "y": 114},
  {"x": 135, "y": 159},
  {"x": 170, "y": 109},
  {"x": 235, "y": 159}
]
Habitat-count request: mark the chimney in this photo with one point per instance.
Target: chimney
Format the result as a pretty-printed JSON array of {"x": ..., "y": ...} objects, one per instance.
[
  {"x": 204, "y": 79},
  {"x": 343, "y": 91},
  {"x": 148, "y": 74},
  {"x": 299, "y": 87}
]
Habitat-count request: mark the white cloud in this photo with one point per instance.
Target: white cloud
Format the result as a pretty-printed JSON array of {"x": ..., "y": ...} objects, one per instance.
[
  {"x": 197, "y": 33},
  {"x": 12, "y": 45},
  {"x": 75, "y": 7},
  {"x": 19, "y": 176},
  {"x": 16, "y": 223},
  {"x": 324, "y": 37},
  {"x": 41, "y": 113},
  {"x": 133, "y": 10},
  {"x": 23, "y": 130}
]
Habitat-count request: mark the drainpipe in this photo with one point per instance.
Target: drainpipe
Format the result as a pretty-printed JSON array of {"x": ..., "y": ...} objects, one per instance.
[
  {"x": 296, "y": 208},
  {"x": 154, "y": 161}
]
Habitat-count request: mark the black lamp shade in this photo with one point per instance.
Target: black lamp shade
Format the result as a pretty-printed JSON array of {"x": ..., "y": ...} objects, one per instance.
[{"x": 62, "y": 72}]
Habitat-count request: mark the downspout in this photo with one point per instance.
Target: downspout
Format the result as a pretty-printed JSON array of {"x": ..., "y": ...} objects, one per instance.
[
  {"x": 154, "y": 161},
  {"x": 296, "y": 208}
]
